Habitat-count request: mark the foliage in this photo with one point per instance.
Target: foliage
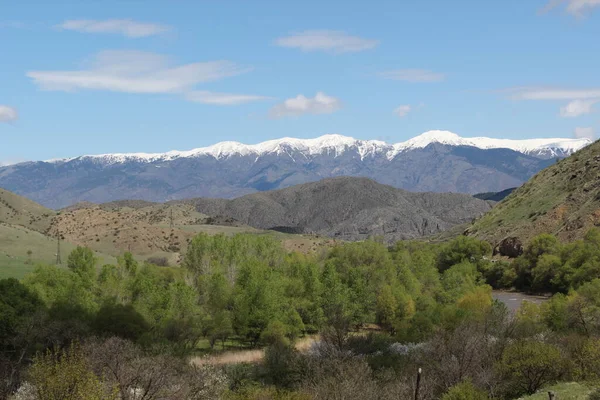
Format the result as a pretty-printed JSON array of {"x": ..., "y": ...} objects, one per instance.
[
  {"x": 530, "y": 365},
  {"x": 66, "y": 374},
  {"x": 465, "y": 391}
]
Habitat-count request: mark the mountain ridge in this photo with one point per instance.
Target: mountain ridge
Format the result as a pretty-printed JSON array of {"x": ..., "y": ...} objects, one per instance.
[
  {"x": 438, "y": 162},
  {"x": 547, "y": 147},
  {"x": 348, "y": 208}
]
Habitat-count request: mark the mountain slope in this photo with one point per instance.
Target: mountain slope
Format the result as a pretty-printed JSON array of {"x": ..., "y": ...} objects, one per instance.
[
  {"x": 435, "y": 161},
  {"x": 17, "y": 210},
  {"x": 348, "y": 208},
  {"x": 563, "y": 199}
]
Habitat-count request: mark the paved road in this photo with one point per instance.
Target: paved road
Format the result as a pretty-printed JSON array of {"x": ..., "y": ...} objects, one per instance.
[{"x": 513, "y": 300}]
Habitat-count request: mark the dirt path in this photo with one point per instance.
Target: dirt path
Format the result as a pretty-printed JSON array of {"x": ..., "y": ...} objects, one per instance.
[{"x": 246, "y": 356}]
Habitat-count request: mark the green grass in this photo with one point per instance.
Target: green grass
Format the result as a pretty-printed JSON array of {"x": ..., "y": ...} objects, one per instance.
[
  {"x": 15, "y": 241},
  {"x": 564, "y": 391}
]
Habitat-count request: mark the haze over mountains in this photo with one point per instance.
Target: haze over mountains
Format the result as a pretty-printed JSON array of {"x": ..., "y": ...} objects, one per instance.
[{"x": 437, "y": 161}]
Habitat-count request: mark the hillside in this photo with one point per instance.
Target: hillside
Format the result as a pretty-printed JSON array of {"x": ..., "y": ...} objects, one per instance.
[
  {"x": 17, "y": 210},
  {"x": 437, "y": 161},
  {"x": 494, "y": 196},
  {"x": 563, "y": 199},
  {"x": 349, "y": 209}
]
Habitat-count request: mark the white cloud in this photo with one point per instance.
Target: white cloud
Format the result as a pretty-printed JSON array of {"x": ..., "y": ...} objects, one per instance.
[
  {"x": 330, "y": 41},
  {"x": 577, "y": 8},
  {"x": 135, "y": 72},
  {"x": 126, "y": 27},
  {"x": 550, "y": 93},
  {"x": 402, "y": 111},
  {"x": 580, "y": 103},
  {"x": 300, "y": 105},
  {"x": 222, "y": 99},
  {"x": 8, "y": 114},
  {"x": 587, "y": 133},
  {"x": 413, "y": 75},
  {"x": 577, "y": 107}
]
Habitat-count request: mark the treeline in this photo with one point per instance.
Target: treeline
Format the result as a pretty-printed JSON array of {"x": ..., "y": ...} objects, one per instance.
[
  {"x": 429, "y": 305},
  {"x": 549, "y": 266}
]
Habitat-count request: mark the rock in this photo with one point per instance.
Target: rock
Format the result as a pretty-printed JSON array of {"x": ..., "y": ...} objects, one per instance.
[{"x": 510, "y": 247}]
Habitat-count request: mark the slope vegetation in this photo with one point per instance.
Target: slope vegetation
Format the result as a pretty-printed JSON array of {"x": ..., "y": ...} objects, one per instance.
[
  {"x": 563, "y": 199},
  {"x": 17, "y": 210},
  {"x": 349, "y": 209}
]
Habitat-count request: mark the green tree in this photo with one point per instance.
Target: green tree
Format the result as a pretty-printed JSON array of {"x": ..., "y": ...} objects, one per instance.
[
  {"x": 461, "y": 249},
  {"x": 530, "y": 364},
  {"x": 83, "y": 262}
]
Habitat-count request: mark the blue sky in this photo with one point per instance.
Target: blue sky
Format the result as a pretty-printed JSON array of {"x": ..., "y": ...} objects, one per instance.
[{"x": 130, "y": 76}]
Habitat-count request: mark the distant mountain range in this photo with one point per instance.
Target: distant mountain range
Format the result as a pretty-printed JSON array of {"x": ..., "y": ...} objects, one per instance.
[{"x": 437, "y": 161}]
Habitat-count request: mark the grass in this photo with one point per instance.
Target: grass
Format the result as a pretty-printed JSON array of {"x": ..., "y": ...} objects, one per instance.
[
  {"x": 563, "y": 391},
  {"x": 16, "y": 241}
]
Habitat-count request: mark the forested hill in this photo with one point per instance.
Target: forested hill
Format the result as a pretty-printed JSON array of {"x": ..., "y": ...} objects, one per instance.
[
  {"x": 350, "y": 209},
  {"x": 563, "y": 199}
]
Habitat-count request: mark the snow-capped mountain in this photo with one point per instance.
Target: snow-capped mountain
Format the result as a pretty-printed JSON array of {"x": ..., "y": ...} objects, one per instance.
[
  {"x": 336, "y": 145},
  {"x": 438, "y": 161}
]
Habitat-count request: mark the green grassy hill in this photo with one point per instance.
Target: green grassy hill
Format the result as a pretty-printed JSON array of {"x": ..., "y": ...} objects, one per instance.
[
  {"x": 563, "y": 199},
  {"x": 16, "y": 241}
]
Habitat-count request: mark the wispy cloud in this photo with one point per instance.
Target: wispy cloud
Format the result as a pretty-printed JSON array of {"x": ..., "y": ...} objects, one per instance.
[
  {"x": 413, "y": 75},
  {"x": 551, "y": 93},
  {"x": 577, "y": 107},
  {"x": 222, "y": 99},
  {"x": 336, "y": 42},
  {"x": 578, "y": 8},
  {"x": 126, "y": 27},
  {"x": 136, "y": 72},
  {"x": 8, "y": 114},
  {"x": 581, "y": 100},
  {"x": 587, "y": 133},
  {"x": 300, "y": 105},
  {"x": 402, "y": 111}
]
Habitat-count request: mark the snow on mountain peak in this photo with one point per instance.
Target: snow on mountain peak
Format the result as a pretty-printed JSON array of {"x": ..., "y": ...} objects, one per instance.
[{"x": 336, "y": 145}]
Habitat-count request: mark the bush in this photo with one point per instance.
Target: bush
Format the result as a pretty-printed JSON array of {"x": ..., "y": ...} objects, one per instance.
[
  {"x": 120, "y": 320},
  {"x": 595, "y": 395},
  {"x": 465, "y": 391},
  {"x": 66, "y": 374},
  {"x": 158, "y": 261}
]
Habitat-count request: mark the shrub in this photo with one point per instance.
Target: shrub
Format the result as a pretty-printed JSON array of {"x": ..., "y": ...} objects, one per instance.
[
  {"x": 595, "y": 395},
  {"x": 465, "y": 391},
  {"x": 158, "y": 261}
]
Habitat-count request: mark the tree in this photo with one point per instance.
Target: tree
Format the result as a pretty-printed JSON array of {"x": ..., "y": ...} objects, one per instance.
[
  {"x": 463, "y": 248},
  {"x": 120, "y": 320},
  {"x": 529, "y": 365},
  {"x": 21, "y": 324},
  {"x": 83, "y": 262}
]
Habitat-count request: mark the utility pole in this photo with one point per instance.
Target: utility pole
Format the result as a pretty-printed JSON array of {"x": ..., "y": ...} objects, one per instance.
[
  {"x": 171, "y": 218},
  {"x": 418, "y": 384},
  {"x": 58, "y": 260}
]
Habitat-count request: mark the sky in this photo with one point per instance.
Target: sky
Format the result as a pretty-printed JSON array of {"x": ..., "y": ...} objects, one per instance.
[{"x": 83, "y": 77}]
